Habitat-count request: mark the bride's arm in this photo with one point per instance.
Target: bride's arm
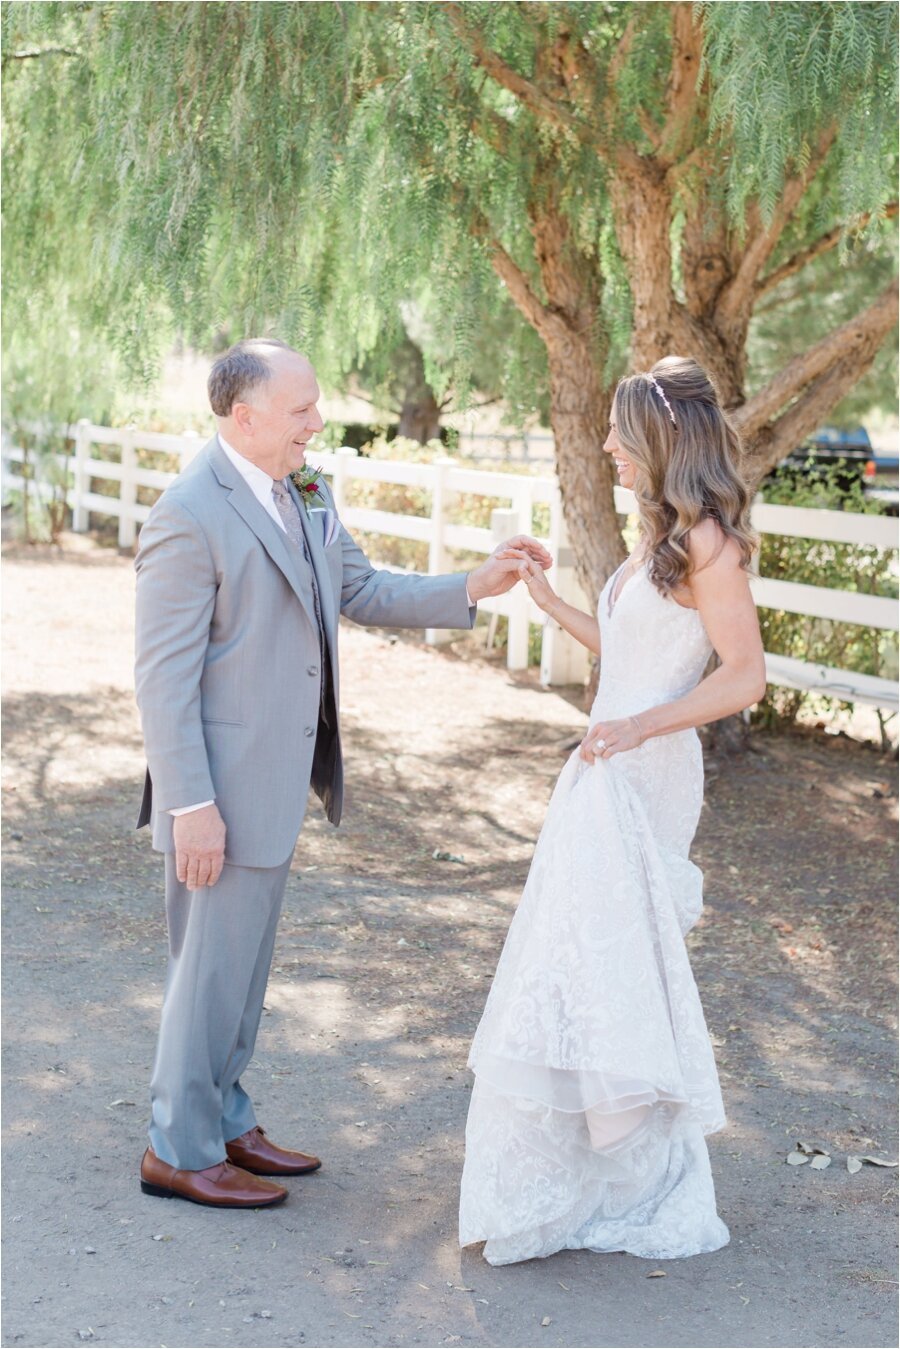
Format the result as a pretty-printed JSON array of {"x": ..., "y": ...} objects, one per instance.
[
  {"x": 720, "y": 590},
  {"x": 583, "y": 627}
]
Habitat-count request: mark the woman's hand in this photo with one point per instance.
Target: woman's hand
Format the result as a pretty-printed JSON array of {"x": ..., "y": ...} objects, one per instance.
[
  {"x": 543, "y": 594},
  {"x": 500, "y": 571},
  {"x": 611, "y": 737}
]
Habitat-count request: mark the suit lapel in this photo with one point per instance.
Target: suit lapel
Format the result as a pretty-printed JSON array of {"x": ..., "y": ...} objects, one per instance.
[
  {"x": 257, "y": 518},
  {"x": 320, "y": 566}
]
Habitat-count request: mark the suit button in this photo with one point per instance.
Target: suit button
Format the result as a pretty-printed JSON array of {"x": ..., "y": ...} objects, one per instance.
[
  {"x": 312, "y": 669},
  {"x": 309, "y": 730}
]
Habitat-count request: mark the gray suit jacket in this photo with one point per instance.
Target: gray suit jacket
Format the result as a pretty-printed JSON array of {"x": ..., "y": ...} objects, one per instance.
[{"x": 227, "y": 656}]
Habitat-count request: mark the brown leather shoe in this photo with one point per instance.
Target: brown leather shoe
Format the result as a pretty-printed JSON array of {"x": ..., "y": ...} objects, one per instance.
[
  {"x": 220, "y": 1186},
  {"x": 256, "y": 1154}
]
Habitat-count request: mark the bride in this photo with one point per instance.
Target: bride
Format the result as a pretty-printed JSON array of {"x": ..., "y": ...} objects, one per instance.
[{"x": 595, "y": 1081}]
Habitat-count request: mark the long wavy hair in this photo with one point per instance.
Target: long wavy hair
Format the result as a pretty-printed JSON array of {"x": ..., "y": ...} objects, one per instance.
[{"x": 687, "y": 458}]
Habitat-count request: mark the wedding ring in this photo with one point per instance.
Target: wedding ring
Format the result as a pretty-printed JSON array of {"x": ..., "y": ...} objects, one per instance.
[{"x": 599, "y": 745}]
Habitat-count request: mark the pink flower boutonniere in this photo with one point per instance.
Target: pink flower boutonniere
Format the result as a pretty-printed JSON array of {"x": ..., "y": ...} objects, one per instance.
[{"x": 306, "y": 481}]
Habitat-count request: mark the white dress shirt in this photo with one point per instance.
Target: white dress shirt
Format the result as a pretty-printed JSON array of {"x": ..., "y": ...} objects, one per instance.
[{"x": 257, "y": 480}]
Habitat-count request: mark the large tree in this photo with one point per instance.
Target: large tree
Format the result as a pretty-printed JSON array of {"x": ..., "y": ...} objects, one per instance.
[{"x": 639, "y": 178}]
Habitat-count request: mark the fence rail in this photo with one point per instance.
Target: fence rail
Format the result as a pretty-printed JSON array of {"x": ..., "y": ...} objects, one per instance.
[{"x": 562, "y": 659}]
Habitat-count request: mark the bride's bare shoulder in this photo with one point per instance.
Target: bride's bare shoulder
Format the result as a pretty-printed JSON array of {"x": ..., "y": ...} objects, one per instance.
[{"x": 709, "y": 546}]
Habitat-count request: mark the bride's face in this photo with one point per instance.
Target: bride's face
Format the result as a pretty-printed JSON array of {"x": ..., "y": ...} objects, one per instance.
[{"x": 624, "y": 466}]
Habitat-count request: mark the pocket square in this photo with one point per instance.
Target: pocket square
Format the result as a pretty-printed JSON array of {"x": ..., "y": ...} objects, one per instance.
[{"x": 329, "y": 525}]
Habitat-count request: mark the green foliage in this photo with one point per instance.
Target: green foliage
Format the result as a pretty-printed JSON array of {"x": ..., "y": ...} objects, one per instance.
[
  {"x": 825, "y": 294},
  {"x": 840, "y": 566},
  {"x": 313, "y": 169},
  {"x": 781, "y": 75}
]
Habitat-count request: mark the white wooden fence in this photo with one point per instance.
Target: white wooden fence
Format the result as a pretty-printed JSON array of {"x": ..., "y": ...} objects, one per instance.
[{"x": 562, "y": 659}]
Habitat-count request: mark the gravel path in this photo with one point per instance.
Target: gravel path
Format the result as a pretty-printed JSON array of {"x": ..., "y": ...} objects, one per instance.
[{"x": 383, "y": 961}]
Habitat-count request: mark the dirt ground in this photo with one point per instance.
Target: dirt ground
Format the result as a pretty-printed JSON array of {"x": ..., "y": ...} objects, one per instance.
[{"x": 383, "y": 962}]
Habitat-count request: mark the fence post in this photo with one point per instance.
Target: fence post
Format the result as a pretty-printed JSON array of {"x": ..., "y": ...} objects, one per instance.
[
  {"x": 437, "y": 553},
  {"x": 80, "y": 479},
  {"x": 563, "y": 660},
  {"x": 342, "y": 459},
  {"x": 519, "y": 521},
  {"x": 128, "y": 490}
]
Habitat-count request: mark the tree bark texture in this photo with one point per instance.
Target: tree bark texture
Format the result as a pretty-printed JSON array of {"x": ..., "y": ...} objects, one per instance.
[
  {"x": 566, "y": 319},
  {"x": 725, "y": 266}
]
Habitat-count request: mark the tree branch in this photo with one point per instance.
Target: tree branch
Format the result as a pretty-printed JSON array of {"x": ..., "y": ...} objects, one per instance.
[
  {"x": 681, "y": 88},
  {"x": 837, "y": 361},
  {"x": 529, "y": 305},
  {"x": 611, "y": 98},
  {"x": 569, "y": 279},
  {"x": 493, "y": 129},
  {"x": 790, "y": 430},
  {"x": 736, "y": 300},
  {"x": 38, "y": 52},
  {"x": 537, "y": 100},
  {"x": 814, "y": 250}
]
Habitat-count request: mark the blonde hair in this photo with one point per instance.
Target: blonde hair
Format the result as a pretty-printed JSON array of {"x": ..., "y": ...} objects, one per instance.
[{"x": 687, "y": 458}]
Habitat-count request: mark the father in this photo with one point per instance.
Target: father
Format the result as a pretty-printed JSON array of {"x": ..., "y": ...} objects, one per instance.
[{"x": 239, "y": 591}]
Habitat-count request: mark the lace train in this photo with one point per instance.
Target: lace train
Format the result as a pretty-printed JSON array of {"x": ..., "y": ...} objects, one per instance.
[{"x": 595, "y": 1077}]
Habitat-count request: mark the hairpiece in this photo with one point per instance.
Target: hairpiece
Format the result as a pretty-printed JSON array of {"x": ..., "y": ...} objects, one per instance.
[{"x": 658, "y": 388}]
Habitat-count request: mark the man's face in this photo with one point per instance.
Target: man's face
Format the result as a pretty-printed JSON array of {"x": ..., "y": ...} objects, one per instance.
[{"x": 283, "y": 415}]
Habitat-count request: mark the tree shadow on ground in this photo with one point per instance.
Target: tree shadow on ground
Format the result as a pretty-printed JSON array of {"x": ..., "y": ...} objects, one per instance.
[{"x": 382, "y": 964}]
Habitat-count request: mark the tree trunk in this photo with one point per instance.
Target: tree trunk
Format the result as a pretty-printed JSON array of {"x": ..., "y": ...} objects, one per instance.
[
  {"x": 420, "y": 415},
  {"x": 579, "y": 413},
  {"x": 567, "y": 323}
]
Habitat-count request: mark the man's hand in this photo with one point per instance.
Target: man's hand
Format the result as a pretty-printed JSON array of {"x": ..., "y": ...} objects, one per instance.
[
  {"x": 199, "y": 847},
  {"x": 500, "y": 571}
]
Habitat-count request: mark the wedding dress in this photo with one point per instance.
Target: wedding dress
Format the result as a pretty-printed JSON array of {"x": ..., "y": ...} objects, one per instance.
[{"x": 595, "y": 1080}]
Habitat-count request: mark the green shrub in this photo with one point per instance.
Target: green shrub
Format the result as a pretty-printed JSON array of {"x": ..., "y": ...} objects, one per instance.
[
  {"x": 463, "y": 508},
  {"x": 840, "y": 566}
]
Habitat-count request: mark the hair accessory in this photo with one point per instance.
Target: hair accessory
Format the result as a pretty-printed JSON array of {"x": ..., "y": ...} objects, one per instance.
[{"x": 658, "y": 388}]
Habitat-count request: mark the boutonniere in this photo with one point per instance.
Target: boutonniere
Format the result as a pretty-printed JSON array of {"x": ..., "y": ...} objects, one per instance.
[{"x": 306, "y": 481}]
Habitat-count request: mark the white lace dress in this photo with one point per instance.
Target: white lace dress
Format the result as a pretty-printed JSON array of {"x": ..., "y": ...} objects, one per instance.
[{"x": 595, "y": 1080}]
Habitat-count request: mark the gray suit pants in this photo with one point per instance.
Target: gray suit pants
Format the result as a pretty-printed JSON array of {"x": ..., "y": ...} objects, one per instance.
[{"x": 220, "y": 950}]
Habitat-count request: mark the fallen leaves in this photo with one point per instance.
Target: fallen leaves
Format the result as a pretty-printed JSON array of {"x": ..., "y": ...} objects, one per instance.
[
  {"x": 820, "y": 1158},
  {"x": 808, "y": 1152},
  {"x": 854, "y": 1163}
]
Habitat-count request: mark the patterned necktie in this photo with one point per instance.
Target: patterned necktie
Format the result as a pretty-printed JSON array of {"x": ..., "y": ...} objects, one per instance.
[
  {"x": 287, "y": 509},
  {"x": 284, "y": 504}
]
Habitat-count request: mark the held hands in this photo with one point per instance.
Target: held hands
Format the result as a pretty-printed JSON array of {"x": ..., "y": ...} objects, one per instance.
[
  {"x": 500, "y": 572},
  {"x": 611, "y": 737},
  {"x": 199, "y": 847},
  {"x": 539, "y": 588}
]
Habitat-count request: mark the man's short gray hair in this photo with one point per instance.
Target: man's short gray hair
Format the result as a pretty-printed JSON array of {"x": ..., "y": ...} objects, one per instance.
[{"x": 238, "y": 370}]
